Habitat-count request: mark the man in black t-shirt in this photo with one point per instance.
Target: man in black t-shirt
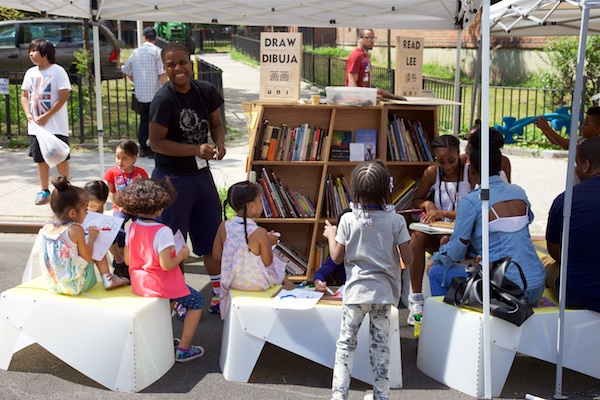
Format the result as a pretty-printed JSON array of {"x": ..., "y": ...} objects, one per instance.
[{"x": 182, "y": 115}]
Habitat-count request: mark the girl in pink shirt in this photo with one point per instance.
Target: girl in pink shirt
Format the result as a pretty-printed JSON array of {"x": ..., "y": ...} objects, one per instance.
[{"x": 153, "y": 261}]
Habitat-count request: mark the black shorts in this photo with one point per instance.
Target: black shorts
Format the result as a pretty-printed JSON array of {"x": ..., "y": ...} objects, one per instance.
[{"x": 34, "y": 147}]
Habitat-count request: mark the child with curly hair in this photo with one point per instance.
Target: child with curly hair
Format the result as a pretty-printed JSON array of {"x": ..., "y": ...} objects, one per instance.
[
  {"x": 244, "y": 248},
  {"x": 153, "y": 262},
  {"x": 66, "y": 248}
]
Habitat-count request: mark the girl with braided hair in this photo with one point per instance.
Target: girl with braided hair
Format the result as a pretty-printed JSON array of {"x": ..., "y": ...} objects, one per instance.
[
  {"x": 243, "y": 248},
  {"x": 369, "y": 240}
]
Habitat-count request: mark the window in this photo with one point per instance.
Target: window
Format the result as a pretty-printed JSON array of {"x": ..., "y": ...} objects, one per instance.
[{"x": 7, "y": 37}]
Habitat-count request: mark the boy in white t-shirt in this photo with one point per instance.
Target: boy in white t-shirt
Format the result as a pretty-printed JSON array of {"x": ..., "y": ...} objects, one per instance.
[{"x": 45, "y": 91}]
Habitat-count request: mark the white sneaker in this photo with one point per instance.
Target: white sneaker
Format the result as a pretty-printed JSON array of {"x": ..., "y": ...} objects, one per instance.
[
  {"x": 415, "y": 306},
  {"x": 111, "y": 281}
]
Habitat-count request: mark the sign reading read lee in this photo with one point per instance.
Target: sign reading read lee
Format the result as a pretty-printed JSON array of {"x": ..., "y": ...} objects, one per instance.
[
  {"x": 409, "y": 66},
  {"x": 280, "y": 61}
]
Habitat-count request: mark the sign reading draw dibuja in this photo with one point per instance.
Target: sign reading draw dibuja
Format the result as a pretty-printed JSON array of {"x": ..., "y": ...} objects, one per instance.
[
  {"x": 409, "y": 66},
  {"x": 280, "y": 61}
]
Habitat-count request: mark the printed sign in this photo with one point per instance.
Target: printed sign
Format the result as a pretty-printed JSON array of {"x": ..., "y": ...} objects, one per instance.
[
  {"x": 3, "y": 85},
  {"x": 280, "y": 61},
  {"x": 409, "y": 66}
]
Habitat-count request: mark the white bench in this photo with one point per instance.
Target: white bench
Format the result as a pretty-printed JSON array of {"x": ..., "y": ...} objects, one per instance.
[
  {"x": 451, "y": 350},
  {"x": 120, "y": 340},
  {"x": 312, "y": 334}
]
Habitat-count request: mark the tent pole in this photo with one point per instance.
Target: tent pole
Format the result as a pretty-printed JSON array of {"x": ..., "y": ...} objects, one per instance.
[
  {"x": 97, "y": 76},
  {"x": 568, "y": 202},
  {"x": 457, "y": 84},
  {"x": 485, "y": 186},
  {"x": 476, "y": 87}
]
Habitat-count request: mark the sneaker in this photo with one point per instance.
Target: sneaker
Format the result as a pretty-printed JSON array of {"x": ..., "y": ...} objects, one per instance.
[
  {"x": 42, "y": 197},
  {"x": 180, "y": 311},
  {"x": 112, "y": 281},
  {"x": 121, "y": 269},
  {"x": 214, "y": 304},
  {"x": 189, "y": 354},
  {"x": 415, "y": 306}
]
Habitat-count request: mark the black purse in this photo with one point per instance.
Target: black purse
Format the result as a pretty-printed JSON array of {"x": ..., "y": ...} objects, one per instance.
[{"x": 507, "y": 300}]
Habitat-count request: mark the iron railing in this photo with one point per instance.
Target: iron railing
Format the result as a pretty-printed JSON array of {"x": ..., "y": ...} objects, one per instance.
[
  {"x": 118, "y": 118},
  {"x": 515, "y": 102}
]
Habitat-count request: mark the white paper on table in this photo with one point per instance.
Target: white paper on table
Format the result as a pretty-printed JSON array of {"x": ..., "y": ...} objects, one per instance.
[
  {"x": 430, "y": 230},
  {"x": 109, "y": 227},
  {"x": 357, "y": 152},
  {"x": 179, "y": 241},
  {"x": 296, "y": 299},
  {"x": 340, "y": 292}
]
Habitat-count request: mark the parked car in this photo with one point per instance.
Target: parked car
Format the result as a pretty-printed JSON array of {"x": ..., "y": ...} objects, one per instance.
[{"x": 67, "y": 37}]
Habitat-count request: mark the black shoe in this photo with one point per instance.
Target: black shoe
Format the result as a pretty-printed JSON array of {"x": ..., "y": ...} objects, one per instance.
[
  {"x": 121, "y": 269},
  {"x": 144, "y": 152}
]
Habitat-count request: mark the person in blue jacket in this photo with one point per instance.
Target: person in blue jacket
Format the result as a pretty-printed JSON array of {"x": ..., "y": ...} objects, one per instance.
[{"x": 329, "y": 267}]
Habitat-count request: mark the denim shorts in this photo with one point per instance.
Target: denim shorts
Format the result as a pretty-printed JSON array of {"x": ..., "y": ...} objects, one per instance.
[
  {"x": 196, "y": 210},
  {"x": 193, "y": 301}
]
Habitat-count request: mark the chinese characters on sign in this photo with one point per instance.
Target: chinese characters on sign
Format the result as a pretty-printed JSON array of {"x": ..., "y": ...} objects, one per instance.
[{"x": 409, "y": 66}]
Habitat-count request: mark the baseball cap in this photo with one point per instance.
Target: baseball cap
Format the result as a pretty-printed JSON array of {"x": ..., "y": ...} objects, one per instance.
[{"x": 149, "y": 33}]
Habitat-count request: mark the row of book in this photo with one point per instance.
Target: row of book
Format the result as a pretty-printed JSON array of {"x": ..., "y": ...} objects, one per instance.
[
  {"x": 408, "y": 141},
  {"x": 282, "y": 143},
  {"x": 404, "y": 193},
  {"x": 337, "y": 196},
  {"x": 295, "y": 263},
  {"x": 279, "y": 201}
]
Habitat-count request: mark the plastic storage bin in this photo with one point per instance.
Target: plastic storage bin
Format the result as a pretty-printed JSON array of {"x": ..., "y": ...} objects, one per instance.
[{"x": 353, "y": 96}]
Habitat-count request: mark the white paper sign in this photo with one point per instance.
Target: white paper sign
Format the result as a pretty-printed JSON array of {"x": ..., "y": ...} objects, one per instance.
[
  {"x": 296, "y": 299},
  {"x": 109, "y": 228},
  {"x": 357, "y": 152},
  {"x": 4, "y": 86},
  {"x": 179, "y": 241}
]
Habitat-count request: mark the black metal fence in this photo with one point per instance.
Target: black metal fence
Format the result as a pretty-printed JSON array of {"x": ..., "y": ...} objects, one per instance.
[
  {"x": 516, "y": 102},
  {"x": 119, "y": 120}
]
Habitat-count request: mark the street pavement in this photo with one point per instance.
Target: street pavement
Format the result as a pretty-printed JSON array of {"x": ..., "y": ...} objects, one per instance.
[{"x": 35, "y": 373}]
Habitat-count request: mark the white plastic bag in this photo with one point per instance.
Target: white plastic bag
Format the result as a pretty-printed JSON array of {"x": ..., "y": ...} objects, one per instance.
[{"x": 52, "y": 148}]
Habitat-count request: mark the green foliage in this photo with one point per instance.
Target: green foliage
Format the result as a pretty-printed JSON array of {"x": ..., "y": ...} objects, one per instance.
[
  {"x": 83, "y": 61},
  {"x": 244, "y": 58},
  {"x": 222, "y": 196},
  {"x": 7, "y": 14},
  {"x": 329, "y": 51},
  {"x": 560, "y": 54}
]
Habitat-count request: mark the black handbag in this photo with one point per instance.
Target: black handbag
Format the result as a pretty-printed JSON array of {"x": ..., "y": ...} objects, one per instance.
[
  {"x": 135, "y": 104},
  {"x": 507, "y": 300}
]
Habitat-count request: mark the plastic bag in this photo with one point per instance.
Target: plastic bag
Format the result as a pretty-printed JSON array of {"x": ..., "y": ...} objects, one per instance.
[{"x": 52, "y": 148}]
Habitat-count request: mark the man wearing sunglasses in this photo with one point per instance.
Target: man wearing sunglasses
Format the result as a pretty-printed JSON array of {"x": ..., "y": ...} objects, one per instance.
[{"x": 358, "y": 66}]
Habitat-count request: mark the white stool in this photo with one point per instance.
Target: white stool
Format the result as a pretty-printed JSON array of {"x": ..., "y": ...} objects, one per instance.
[
  {"x": 118, "y": 339},
  {"x": 312, "y": 334}
]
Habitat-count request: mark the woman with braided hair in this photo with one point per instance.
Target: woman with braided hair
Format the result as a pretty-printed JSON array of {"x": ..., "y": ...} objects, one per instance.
[{"x": 243, "y": 248}]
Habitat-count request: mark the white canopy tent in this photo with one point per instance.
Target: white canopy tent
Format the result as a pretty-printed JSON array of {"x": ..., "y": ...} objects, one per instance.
[
  {"x": 547, "y": 18},
  {"x": 387, "y": 14}
]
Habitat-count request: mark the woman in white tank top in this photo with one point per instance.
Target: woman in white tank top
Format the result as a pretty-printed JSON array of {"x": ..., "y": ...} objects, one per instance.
[{"x": 439, "y": 192}]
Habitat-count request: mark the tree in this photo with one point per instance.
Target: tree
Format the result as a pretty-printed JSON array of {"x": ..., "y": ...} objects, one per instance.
[
  {"x": 10, "y": 13},
  {"x": 561, "y": 57}
]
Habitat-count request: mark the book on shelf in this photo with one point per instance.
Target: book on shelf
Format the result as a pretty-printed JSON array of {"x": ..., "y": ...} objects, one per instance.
[
  {"x": 296, "y": 264},
  {"x": 424, "y": 140},
  {"x": 279, "y": 201},
  {"x": 258, "y": 139},
  {"x": 340, "y": 145},
  {"x": 266, "y": 142},
  {"x": 337, "y": 196},
  {"x": 368, "y": 137},
  {"x": 273, "y": 143},
  {"x": 287, "y": 205},
  {"x": 265, "y": 189},
  {"x": 402, "y": 187}
]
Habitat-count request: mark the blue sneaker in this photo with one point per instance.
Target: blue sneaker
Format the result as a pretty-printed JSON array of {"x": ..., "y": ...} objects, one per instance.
[
  {"x": 42, "y": 197},
  {"x": 189, "y": 354},
  {"x": 180, "y": 311}
]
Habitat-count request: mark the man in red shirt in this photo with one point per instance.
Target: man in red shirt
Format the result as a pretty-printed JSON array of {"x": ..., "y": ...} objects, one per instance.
[{"x": 358, "y": 66}]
